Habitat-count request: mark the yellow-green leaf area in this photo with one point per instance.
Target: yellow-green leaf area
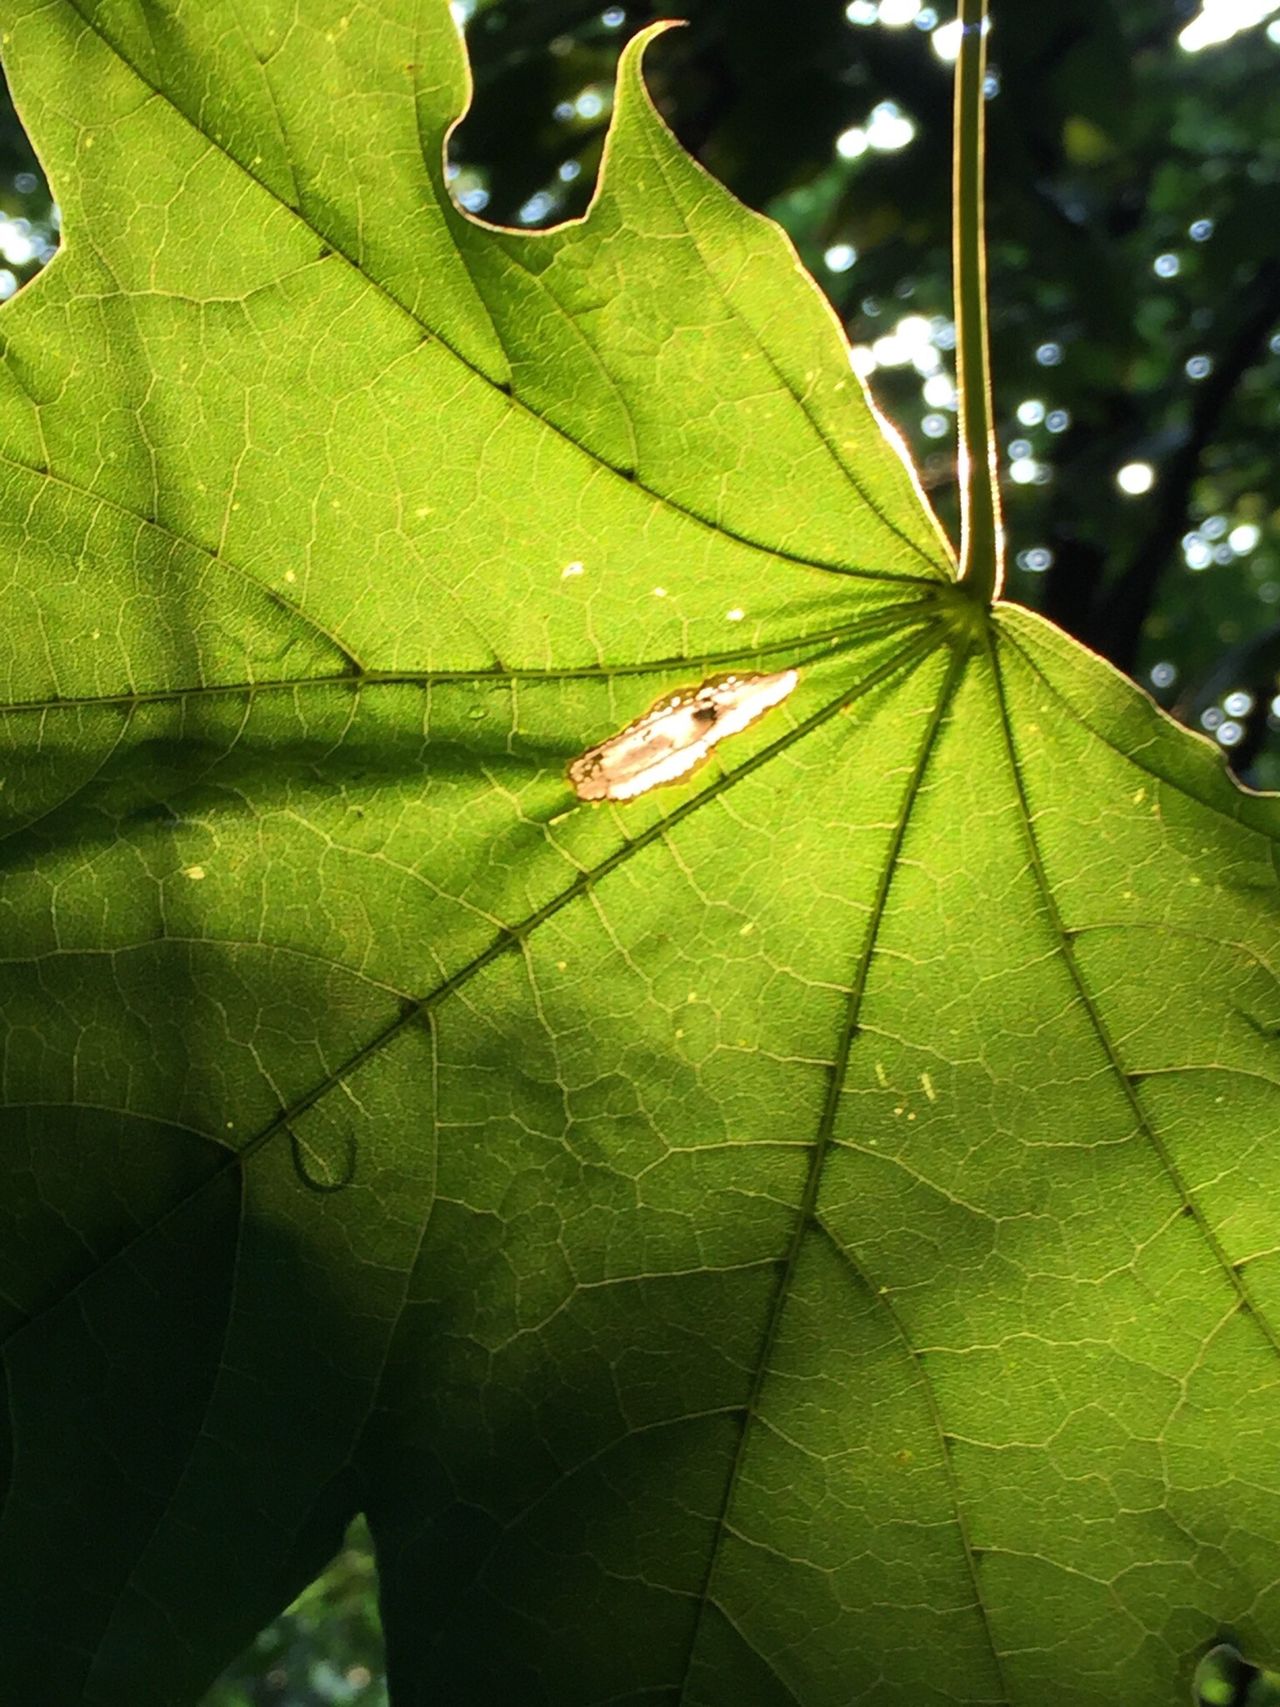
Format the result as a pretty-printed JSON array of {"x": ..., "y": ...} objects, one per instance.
[{"x": 802, "y": 1235}]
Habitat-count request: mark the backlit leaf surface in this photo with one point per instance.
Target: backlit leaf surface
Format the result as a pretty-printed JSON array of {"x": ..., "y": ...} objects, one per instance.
[{"x": 805, "y": 1235}]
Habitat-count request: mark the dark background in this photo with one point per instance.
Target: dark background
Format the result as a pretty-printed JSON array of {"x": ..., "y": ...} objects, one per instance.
[{"x": 1134, "y": 212}]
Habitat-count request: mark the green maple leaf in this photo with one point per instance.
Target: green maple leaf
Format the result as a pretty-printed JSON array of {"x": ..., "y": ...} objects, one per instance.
[{"x": 803, "y": 1235}]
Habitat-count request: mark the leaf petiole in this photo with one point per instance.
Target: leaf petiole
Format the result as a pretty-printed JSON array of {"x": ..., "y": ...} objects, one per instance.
[{"x": 981, "y": 526}]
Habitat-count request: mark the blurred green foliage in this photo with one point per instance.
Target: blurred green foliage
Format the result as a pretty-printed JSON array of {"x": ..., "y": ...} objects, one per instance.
[
  {"x": 1224, "y": 1678},
  {"x": 1135, "y": 293},
  {"x": 325, "y": 1649}
]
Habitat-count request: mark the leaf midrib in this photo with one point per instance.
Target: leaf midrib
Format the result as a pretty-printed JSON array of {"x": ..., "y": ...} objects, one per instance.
[
  {"x": 828, "y": 644},
  {"x": 807, "y": 1218},
  {"x": 819, "y": 432},
  {"x": 1237, "y": 822},
  {"x": 1065, "y": 949}
]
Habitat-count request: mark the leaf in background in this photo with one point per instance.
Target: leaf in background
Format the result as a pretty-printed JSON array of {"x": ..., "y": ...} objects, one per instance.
[{"x": 806, "y": 1233}]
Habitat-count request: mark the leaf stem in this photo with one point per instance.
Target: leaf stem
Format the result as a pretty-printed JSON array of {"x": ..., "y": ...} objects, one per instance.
[{"x": 981, "y": 527}]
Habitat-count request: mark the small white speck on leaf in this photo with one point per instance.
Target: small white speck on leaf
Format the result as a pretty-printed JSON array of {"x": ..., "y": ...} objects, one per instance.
[
  {"x": 570, "y": 570},
  {"x": 194, "y": 872}
]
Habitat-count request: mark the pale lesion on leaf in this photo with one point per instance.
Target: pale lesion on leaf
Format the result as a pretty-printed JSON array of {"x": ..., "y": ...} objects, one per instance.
[{"x": 676, "y": 735}]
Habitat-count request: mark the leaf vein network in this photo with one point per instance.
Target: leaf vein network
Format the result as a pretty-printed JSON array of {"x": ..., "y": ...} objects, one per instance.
[
  {"x": 827, "y": 645},
  {"x": 807, "y": 1216},
  {"x": 819, "y": 432},
  {"x": 1065, "y": 948},
  {"x": 851, "y": 571},
  {"x": 1100, "y": 734},
  {"x": 511, "y": 937}
]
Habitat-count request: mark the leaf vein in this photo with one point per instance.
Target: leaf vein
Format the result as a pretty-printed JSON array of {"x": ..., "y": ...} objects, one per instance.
[
  {"x": 806, "y": 1213},
  {"x": 516, "y": 402},
  {"x": 514, "y": 936},
  {"x": 1106, "y": 1044}
]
